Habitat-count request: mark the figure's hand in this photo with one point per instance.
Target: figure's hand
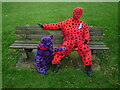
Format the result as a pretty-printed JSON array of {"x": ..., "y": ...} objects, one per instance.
[
  {"x": 41, "y": 25},
  {"x": 59, "y": 49},
  {"x": 62, "y": 48},
  {"x": 86, "y": 42}
]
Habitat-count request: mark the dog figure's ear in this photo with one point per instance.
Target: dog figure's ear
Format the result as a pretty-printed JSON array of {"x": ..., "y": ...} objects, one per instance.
[{"x": 51, "y": 36}]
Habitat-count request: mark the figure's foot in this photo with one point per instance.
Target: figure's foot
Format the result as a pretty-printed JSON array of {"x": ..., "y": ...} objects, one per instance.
[
  {"x": 56, "y": 68},
  {"x": 89, "y": 74},
  {"x": 46, "y": 74},
  {"x": 89, "y": 71}
]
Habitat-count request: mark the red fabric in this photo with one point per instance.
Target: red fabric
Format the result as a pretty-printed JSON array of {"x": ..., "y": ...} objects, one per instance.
[
  {"x": 73, "y": 37},
  {"x": 41, "y": 47}
]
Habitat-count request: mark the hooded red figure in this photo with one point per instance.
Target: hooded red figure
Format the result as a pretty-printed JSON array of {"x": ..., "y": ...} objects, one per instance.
[{"x": 76, "y": 37}]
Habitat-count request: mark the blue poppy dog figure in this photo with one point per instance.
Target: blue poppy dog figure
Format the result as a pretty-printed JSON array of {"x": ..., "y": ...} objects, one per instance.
[{"x": 45, "y": 53}]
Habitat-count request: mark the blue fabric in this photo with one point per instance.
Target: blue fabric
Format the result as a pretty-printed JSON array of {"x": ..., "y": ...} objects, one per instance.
[{"x": 44, "y": 54}]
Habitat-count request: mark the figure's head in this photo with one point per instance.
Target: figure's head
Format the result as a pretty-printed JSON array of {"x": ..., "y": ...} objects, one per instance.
[
  {"x": 47, "y": 40},
  {"x": 77, "y": 13}
]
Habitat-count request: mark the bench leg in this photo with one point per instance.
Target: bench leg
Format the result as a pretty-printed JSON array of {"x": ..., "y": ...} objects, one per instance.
[
  {"x": 96, "y": 63},
  {"x": 26, "y": 53}
]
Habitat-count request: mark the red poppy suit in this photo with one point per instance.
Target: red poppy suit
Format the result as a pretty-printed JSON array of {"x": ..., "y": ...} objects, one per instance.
[{"x": 75, "y": 33}]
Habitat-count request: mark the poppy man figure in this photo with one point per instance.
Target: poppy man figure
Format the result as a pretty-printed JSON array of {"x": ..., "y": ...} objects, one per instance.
[{"x": 76, "y": 37}]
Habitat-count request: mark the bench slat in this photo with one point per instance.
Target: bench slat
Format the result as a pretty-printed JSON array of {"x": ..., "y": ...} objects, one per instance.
[
  {"x": 35, "y": 42},
  {"x": 19, "y": 44},
  {"x": 56, "y": 45},
  {"x": 22, "y": 44},
  {"x": 28, "y": 27},
  {"x": 91, "y": 28},
  {"x": 37, "y": 36},
  {"x": 55, "y": 37},
  {"x": 54, "y": 42},
  {"x": 32, "y": 32},
  {"x": 43, "y": 32}
]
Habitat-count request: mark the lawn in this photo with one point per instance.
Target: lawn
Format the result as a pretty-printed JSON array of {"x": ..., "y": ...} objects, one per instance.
[
  {"x": 0, "y": 27},
  {"x": 97, "y": 14}
]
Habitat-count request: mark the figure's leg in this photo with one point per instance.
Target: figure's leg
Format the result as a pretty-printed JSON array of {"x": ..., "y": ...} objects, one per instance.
[
  {"x": 85, "y": 52},
  {"x": 40, "y": 64},
  {"x": 60, "y": 54}
]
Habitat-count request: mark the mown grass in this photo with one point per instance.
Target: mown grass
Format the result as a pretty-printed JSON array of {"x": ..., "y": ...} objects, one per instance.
[
  {"x": 0, "y": 45},
  {"x": 97, "y": 14}
]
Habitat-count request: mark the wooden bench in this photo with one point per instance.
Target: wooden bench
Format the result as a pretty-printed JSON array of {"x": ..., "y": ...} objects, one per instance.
[{"x": 29, "y": 36}]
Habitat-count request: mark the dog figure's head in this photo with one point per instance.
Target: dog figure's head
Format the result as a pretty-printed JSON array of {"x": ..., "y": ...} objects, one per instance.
[{"x": 46, "y": 41}]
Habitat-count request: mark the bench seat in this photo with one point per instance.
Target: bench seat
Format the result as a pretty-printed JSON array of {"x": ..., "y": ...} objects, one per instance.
[{"x": 33, "y": 45}]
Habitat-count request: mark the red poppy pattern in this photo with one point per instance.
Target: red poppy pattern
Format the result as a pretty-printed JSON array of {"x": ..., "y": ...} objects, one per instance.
[{"x": 75, "y": 33}]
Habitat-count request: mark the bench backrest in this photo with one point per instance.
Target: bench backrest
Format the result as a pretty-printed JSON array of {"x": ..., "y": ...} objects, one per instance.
[{"x": 36, "y": 32}]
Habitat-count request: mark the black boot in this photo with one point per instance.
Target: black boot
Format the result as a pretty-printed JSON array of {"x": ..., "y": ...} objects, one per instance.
[
  {"x": 89, "y": 71},
  {"x": 56, "y": 68}
]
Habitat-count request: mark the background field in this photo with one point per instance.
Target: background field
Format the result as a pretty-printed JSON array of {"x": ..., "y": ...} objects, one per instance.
[{"x": 97, "y": 14}]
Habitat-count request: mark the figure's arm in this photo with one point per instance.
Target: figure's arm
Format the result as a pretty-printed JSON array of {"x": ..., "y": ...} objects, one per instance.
[
  {"x": 56, "y": 49},
  {"x": 86, "y": 33},
  {"x": 51, "y": 26},
  {"x": 60, "y": 49}
]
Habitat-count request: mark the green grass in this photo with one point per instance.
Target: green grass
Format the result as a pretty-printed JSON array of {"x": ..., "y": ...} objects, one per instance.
[
  {"x": 97, "y": 14},
  {"x": 0, "y": 45}
]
